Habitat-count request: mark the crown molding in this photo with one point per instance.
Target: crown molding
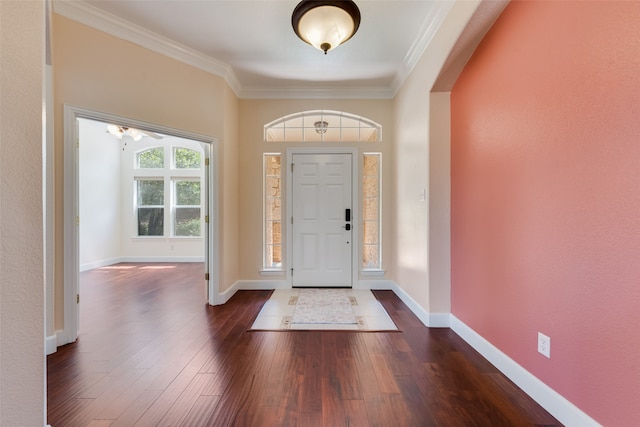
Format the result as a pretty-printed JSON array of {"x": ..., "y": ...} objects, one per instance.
[
  {"x": 316, "y": 93},
  {"x": 89, "y": 15},
  {"x": 429, "y": 29},
  {"x": 96, "y": 18}
]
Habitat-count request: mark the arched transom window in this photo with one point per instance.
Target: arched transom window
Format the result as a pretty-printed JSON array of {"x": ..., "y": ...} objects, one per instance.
[{"x": 322, "y": 125}]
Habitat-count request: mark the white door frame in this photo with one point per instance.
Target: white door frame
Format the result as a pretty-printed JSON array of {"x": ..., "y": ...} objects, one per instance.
[
  {"x": 355, "y": 208},
  {"x": 71, "y": 209}
]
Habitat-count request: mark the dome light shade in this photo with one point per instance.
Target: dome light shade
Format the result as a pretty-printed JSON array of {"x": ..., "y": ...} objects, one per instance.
[{"x": 325, "y": 24}]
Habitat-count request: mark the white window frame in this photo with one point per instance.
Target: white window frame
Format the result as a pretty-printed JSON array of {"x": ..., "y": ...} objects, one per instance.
[
  {"x": 137, "y": 207},
  {"x": 340, "y": 127},
  {"x": 169, "y": 174},
  {"x": 175, "y": 206}
]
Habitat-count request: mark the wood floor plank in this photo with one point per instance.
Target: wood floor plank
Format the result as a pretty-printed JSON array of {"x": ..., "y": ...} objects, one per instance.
[
  {"x": 348, "y": 380},
  {"x": 355, "y": 412},
  {"x": 200, "y": 411},
  {"x": 386, "y": 379},
  {"x": 136, "y": 409},
  {"x": 333, "y": 413},
  {"x": 152, "y": 352}
]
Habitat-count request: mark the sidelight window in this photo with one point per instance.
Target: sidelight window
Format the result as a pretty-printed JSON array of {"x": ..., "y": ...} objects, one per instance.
[
  {"x": 371, "y": 202},
  {"x": 272, "y": 164}
]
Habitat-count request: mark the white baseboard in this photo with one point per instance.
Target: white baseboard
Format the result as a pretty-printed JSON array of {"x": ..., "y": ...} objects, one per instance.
[
  {"x": 262, "y": 284},
  {"x": 51, "y": 344},
  {"x": 226, "y": 295},
  {"x": 102, "y": 263},
  {"x": 380, "y": 285},
  {"x": 431, "y": 320},
  {"x": 251, "y": 285},
  {"x": 62, "y": 338},
  {"x": 566, "y": 412},
  {"x": 162, "y": 259}
]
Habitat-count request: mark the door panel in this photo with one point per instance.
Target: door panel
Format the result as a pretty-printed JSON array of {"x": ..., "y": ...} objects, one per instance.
[{"x": 322, "y": 191}]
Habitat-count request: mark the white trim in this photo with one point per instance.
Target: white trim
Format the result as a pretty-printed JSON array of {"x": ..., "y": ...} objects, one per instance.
[
  {"x": 253, "y": 285},
  {"x": 101, "y": 263},
  {"x": 375, "y": 284},
  {"x": 431, "y": 320},
  {"x": 273, "y": 273},
  {"x": 70, "y": 226},
  {"x": 225, "y": 296},
  {"x": 430, "y": 27},
  {"x": 50, "y": 344},
  {"x": 212, "y": 245},
  {"x": 162, "y": 259},
  {"x": 260, "y": 285},
  {"x": 566, "y": 412},
  {"x": 293, "y": 92},
  {"x": 62, "y": 339},
  {"x": 118, "y": 27},
  {"x": 372, "y": 272}
]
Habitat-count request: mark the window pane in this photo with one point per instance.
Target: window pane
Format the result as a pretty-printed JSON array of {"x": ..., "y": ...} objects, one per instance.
[
  {"x": 371, "y": 257},
  {"x": 150, "y": 193},
  {"x": 151, "y": 158},
  {"x": 187, "y": 193},
  {"x": 186, "y": 159},
  {"x": 371, "y": 211},
  {"x": 341, "y": 127},
  {"x": 272, "y": 210},
  {"x": 150, "y": 221},
  {"x": 187, "y": 222},
  {"x": 277, "y": 259},
  {"x": 370, "y": 232}
]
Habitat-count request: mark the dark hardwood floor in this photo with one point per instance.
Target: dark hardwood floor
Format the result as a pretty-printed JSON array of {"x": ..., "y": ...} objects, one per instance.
[{"x": 151, "y": 352}]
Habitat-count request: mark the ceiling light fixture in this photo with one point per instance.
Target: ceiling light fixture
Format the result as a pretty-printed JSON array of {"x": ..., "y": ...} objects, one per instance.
[
  {"x": 325, "y": 24},
  {"x": 120, "y": 131},
  {"x": 321, "y": 126}
]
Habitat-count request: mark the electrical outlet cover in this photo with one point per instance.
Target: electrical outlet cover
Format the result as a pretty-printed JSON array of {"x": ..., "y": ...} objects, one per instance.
[{"x": 544, "y": 345}]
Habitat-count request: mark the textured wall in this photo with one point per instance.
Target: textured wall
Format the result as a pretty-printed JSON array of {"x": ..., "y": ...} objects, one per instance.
[
  {"x": 546, "y": 195},
  {"x": 21, "y": 263}
]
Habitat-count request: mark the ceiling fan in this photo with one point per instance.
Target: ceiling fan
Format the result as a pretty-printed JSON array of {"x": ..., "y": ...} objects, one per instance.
[{"x": 135, "y": 134}]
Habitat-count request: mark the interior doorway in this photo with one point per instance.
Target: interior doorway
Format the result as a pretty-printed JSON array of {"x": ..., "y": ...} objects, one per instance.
[{"x": 178, "y": 215}]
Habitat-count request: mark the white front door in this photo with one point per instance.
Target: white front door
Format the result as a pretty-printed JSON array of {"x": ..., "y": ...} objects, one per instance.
[{"x": 322, "y": 220}]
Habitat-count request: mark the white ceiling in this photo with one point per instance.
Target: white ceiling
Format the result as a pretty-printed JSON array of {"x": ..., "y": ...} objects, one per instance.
[{"x": 252, "y": 45}]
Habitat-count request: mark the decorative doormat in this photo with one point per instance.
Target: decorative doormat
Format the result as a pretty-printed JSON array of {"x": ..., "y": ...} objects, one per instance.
[{"x": 323, "y": 309}]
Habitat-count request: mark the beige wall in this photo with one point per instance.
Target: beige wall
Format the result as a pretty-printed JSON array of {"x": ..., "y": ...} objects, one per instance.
[
  {"x": 422, "y": 231},
  {"x": 21, "y": 243},
  {"x": 96, "y": 71},
  {"x": 254, "y": 115},
  {"x": 229, "y": 158}
]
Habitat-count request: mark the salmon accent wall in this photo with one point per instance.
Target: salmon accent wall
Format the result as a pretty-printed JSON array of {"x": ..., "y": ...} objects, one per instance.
[{"x": 546, "y": 198}]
